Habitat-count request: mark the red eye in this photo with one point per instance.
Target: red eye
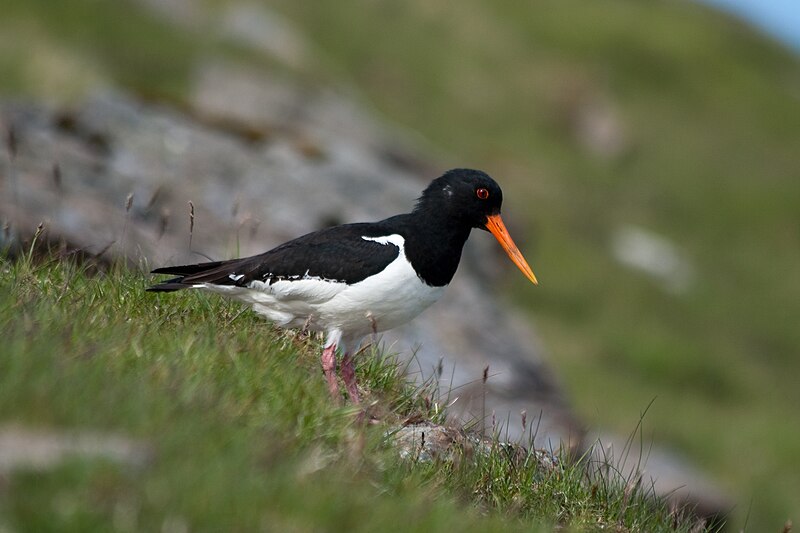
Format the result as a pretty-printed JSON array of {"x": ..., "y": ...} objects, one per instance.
[{"x": 483, "y": 194}]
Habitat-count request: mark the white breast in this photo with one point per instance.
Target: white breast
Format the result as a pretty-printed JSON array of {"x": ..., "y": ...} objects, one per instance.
[{"x": 383, "y": 301}]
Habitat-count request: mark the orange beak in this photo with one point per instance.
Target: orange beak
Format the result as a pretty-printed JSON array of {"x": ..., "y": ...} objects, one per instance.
[{"x": 495, "y": 224}]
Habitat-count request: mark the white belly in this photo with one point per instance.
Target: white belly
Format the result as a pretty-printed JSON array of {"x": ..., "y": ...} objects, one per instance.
[{"x": 380, "y": 302}]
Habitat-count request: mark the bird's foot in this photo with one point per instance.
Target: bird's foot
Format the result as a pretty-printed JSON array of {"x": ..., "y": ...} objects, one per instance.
[{"x": 328, "y": 360}]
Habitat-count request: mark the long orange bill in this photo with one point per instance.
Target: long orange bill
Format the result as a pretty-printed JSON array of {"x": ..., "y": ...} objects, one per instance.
[{"x": 495, "y": 224}]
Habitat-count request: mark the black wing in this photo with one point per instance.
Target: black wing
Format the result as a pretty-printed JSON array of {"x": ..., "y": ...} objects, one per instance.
[{"x": 339, "y": 253}]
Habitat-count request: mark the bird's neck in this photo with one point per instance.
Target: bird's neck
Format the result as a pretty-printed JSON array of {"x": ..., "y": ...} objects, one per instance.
[{"x": 433, "y": 246}]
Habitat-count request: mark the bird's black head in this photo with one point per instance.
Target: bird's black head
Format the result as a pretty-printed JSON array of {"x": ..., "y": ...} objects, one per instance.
[
  {"x": 463, "y": 199},
  {"x": 465, "y": 195}
]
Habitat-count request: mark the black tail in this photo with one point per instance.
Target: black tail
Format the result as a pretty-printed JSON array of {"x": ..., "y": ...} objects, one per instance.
[
  {"x": 183, "y": 271},
  {"x": 188, "y": 270},
  {"x": 169, "y": 285}
]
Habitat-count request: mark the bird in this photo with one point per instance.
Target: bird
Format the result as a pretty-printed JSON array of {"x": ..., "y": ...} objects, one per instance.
[{"x": 353, "y": 280}]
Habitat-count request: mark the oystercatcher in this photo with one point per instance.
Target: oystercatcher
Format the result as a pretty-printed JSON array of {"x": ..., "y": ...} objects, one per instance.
[{"x": 355, "y": 279}]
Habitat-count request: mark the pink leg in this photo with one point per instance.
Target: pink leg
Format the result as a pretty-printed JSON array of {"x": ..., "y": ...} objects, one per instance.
[
  {"x": 329, "y": 369},
  {"x": 349, "y": 376}
]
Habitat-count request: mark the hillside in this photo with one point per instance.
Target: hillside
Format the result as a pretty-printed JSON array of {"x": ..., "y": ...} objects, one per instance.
[
  {"x": 109, "y": 424},
  {"x": 660, "y": 120}
]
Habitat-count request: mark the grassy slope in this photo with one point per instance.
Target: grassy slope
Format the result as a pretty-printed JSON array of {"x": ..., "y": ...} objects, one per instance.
[
  {"x": 713, "y": 121},
  {"x": 243, "y": 434}
]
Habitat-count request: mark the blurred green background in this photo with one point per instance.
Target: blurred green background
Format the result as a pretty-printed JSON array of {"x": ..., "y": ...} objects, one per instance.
[{"x": 651, "y": 156}]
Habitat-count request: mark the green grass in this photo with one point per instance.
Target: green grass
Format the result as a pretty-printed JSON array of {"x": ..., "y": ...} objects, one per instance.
[
  {"x": 710, "y": 114},
  {"x": 242, "y": 433}
]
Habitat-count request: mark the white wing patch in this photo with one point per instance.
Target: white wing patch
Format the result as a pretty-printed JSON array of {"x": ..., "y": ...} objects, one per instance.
[
  {"x": 395, "y": 239},
  {"x": 269, "y": 277},
  {"x": 235, "y": 277}
]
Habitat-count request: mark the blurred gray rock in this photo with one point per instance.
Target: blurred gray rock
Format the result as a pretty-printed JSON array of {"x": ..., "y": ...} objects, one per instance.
[
  {"x": 265, "y": 30},
  {"x": 23, "y": 448},
  {"x": 248, "y": 24},
  {"x": 656, "y": 256}
]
